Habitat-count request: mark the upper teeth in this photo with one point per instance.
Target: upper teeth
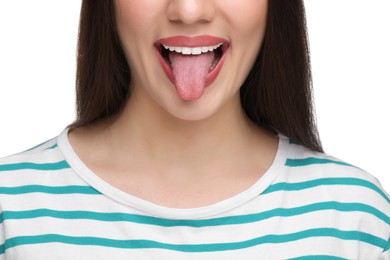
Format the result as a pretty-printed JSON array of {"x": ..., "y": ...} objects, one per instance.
[{"x": 193, "y": 51}]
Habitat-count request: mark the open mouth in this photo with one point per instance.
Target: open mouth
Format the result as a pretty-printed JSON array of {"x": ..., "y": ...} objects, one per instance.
[
  {"x": 218, "y": 51},
  {"x": 192, "y": 63}
]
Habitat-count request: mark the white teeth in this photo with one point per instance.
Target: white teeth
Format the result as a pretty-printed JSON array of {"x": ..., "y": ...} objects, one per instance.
[
  {"x": 193, "y": 51},
  {"x": 186, "y": 50},
  {"x": 205, "y": 49}
]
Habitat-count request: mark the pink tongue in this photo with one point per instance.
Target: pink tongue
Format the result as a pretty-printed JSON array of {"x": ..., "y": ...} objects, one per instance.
[{"x": 190, "y": 73}]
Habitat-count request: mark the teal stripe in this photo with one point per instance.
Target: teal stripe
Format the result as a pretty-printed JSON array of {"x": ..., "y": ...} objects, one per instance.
[
  {"x": 32, "y": 148},
  {"x": 311, "y": 161},
  {"x": 286, "y": 186},
  {"x": 52, "y": 147},
  {"x": 48, "y": 189},
  {"x": 388, "y": 246},
  {"x": 318, "y": 257},
  {"x": 35, "y": 166},
  {"x": 232, "y": 220},
  {"x": 292, "y": 141},
  {"x": 148, "y": 244}
]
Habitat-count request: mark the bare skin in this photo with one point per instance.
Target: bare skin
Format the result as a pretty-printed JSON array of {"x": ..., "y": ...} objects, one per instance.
[{"x": 176, "y": 163}]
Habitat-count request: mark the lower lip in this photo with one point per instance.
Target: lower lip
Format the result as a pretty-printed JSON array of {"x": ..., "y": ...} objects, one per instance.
[{"x": 213, "y": 74}]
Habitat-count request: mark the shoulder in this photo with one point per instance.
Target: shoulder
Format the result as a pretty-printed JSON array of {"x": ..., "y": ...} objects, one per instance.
[
  {"x": 312, "y": 164},
  {"x": 318, "y": 169},
  {"x": 36, "y": 157},
  {"x": 340, "y": 195},
  {"x": 330, "y": 179},
  {"x": 30, "y": 167}
]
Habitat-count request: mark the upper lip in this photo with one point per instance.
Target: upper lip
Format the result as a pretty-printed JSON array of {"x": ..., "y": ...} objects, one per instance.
[{"x": 192, "y": 41}]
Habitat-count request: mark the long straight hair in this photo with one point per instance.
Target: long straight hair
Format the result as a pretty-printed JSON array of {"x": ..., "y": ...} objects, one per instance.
[{"x": 277, "y": 93}]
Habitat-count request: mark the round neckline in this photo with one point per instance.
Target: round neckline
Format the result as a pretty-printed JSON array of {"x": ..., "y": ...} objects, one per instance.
[{"x": 153, "y": 209}]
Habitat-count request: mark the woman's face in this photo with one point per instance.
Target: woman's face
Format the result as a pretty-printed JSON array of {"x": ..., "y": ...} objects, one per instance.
[{"x": 190, "y": 57}]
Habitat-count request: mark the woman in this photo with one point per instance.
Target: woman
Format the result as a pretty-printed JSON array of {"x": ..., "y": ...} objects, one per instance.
[{"x": 195, "y": 139}]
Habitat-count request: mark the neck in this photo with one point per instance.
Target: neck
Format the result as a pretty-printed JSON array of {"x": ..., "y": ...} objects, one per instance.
[
  {"x": 149, "y": 153},
  {"x": 147, "y": 132},
  {"x": 146, "y": 138},
  {"x": 164, "y": 136}
]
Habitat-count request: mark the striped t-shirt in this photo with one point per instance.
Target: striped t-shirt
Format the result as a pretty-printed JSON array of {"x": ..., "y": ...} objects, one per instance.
[{"x": 308, "y": 205}]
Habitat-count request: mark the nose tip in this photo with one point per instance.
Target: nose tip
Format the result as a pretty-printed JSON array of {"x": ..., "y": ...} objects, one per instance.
[{"x": 190, "y": 11}]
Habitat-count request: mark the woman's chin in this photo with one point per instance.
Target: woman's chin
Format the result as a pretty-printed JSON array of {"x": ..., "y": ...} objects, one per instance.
[
  {"x": 210, "y": 105},
  {"x": 193, "y": 111}
]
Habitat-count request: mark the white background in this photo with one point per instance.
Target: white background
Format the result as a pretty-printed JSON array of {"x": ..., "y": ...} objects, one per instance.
[{"x": 350, "y": 47}]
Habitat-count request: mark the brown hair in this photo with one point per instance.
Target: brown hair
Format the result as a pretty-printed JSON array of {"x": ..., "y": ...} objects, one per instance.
[{"x": 277, "y": 93}]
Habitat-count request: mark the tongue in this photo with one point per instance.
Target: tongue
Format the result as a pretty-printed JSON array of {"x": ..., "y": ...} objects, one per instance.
[{"x": 190, "y": 73}]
